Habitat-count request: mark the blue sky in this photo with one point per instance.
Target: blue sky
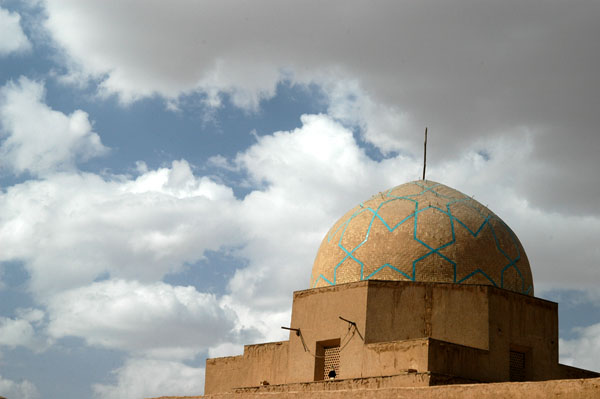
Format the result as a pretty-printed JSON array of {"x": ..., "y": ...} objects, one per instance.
[{"x": 168, "y": 170}]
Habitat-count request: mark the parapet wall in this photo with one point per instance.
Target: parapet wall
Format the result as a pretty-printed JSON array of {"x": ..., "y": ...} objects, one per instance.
[
  {"x": 563, "y": 389},
  {"x": 390, "y": 358},
  {"x": 262, "y": 362},
  {"x": 568, "y": 372}
]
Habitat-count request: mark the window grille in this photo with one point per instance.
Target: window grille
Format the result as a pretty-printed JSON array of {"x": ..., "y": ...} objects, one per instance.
[
  {"x": 332, "y": 361},
  {"x": 517, "y": 366}
]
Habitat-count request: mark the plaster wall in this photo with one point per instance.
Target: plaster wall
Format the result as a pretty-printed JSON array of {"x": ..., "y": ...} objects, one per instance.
[
  {"x": 483, "y": 318},
  {"x": 262, "y": 362},
  {"x": 397, "y": 357},
  {"x": 570, "y": 372},
  {"x": 393, "y": 381},
  {"x": 223, "y": 373},
  {"x": 564, "y": 389},
  {"x": 266, "y": 362},
  {"x": 398, "y": 311},
  {"x": 460, "y": 316},
  {"x": 458, "y": 360},
  {"x": 316, "y": 313},
  {"x": 524, "y": 324},
  {"x": 460, "y": 331}
]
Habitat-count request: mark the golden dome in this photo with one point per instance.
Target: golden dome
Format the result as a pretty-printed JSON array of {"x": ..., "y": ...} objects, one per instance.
[{"x": 422, "y": 231}]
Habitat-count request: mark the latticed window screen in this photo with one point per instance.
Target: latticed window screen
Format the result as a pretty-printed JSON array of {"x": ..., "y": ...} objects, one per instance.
[
  {"x": 331, "y": 361},
  {"x": 517, "y": 366}
]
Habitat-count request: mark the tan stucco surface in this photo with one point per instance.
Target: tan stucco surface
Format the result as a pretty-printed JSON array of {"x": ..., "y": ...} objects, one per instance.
[
  {"x": 563, "y": 389},
  {"x": 422, "y": 231},
  {"x": 465, "y": 332}
]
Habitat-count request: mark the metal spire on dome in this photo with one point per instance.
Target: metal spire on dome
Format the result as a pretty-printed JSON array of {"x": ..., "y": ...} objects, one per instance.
[{"x": 425, "y": 153}]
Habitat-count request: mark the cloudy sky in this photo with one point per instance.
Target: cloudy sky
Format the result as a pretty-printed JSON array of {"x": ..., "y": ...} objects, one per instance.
[{"x": 168, "y": 168}]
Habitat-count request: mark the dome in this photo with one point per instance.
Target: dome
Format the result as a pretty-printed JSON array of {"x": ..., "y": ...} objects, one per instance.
[{"x": 422, "y": 231}]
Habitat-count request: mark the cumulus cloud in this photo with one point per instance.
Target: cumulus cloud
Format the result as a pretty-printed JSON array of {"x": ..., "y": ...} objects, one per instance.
[
  {"x": 15, "y": 332},
  {"x": 12, "y": 37},
  {"x": 145, "y": 227},
  {"x": 583, "y": 351},
  {"x": 392, "y": 68},
  {"x": 172, "y": 73},
  {"x": 140, "y": 229},
  {"x": 560, "y": 246},
  {"x": 38, "y": 139},
  {"x": 132, "y": 228},
  {"x": 156, "y": 319},
  {"x": 21, "y": 331},
  {"x": 131, "y": 231},
  {"x": 502, "y": 86},
  {"x": 23, "y": 389},
  {"x": 225, "y": 349},
  {"x": 143, "y": 378},
  {"x": 313, "y": 174},
  {"x": 383, "y": 125}
]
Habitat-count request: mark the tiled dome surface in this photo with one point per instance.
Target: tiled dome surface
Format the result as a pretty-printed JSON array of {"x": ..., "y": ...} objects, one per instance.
[{"x": 422, "y": 231}]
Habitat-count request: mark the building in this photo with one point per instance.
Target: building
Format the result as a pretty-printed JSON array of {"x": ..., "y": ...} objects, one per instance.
[{"x": 418, "y": 286}]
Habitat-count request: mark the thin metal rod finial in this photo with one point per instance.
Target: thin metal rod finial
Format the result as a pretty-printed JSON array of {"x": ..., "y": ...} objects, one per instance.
[{"x": 425, "y": 154}]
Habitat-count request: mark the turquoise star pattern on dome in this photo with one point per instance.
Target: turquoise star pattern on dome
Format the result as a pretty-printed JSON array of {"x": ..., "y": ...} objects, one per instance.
[{"x": 422, "y": 231}]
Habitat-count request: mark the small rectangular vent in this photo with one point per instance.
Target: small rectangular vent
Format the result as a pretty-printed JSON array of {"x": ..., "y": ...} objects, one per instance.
[
  {"x": 517, "y": 366},
  {"x": 332, "y": 361}
]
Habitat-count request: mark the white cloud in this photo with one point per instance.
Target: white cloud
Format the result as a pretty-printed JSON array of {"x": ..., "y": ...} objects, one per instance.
[
  {"x": 140, "y": 228},
  {"x": 475, "y": 72},
  {"x": 226, "y": 349},
  {"x": 314, "y": 174},
  {"x": 12, "y": 37},
  {"x": 157, "y": 319},
  {"x": 21, "y": 331},
  {"x": 560, "y": 246},
  {"x": 146, "y": 227},
  {"x": 133, "y": 231},
  {"x": 179, "y": 182},
  {"x": 31, "y": 315},
  {"x": 40, "y": 140},
  {"x": 144, "y": 378},
  {"x": 311, "y": 176},
  {"x": 22, "y": 390},
  {"x": 143, "y": 228},
  {"x": 169, "y": 71},
  {"x": 382, "y": 125},
  {"x": 15, "y": 332},
  {"x": 583, "y": 351},
  {"x": 498, "y": 105}
]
